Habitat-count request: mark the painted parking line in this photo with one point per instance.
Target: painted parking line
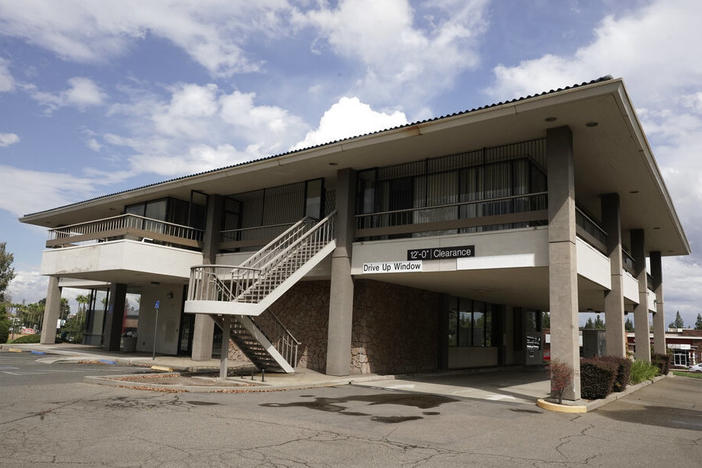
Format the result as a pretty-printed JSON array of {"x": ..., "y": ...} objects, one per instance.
[{"x": 4, "y": 368}]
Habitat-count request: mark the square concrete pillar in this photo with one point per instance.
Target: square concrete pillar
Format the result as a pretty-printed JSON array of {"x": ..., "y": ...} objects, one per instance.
[
  {"x": 52, "y": 311},
  {"x": 112, "y": 333},
  {"x": 615, "y": 335},
  {"x": 659, "y": 345},
  {"x": 563, "y": 267},
  {"x": 341, "y": 288},
  {"x": 642, "y": 332},
  {"x": 203, "y": 331}
]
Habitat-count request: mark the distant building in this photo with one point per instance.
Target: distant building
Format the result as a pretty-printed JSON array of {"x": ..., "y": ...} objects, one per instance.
[{"x": 684, "y": 344}]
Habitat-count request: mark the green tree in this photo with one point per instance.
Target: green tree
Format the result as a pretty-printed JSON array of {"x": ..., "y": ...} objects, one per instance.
[
  {"x": 678, "y": 322},
  {"x": 628, "y": 325},
  {"x": 30, "y": 315},
  {"x": 599, "y": 324},
  {"x": 4, "y": 324},
  {"x": 82, "y": 301},
  {"x": 65, "y": 309},
  {"x": 6, "y": 270},
  {"x": 698, "y": 322},
  {"x": 546, "y": 320},
  {"x": 589, "y": 325},
  {"x": 74, "y": 327}
]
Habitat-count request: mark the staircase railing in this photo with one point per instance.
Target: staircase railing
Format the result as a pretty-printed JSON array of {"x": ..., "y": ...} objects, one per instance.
[
  {"x": 283, "y": 340},
  {"x": 286, "y": 238},
  {"x": 265, "y": 270},
  {"x": 256, "y": 283}
]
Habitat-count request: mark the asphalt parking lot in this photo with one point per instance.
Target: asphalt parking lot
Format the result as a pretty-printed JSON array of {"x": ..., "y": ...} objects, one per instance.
[
  {"x": 56, "y": 418},
  {"x": 19, "y": 369}
]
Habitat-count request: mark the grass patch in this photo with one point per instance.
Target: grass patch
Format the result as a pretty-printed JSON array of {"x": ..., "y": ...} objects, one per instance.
[
  {"x": 641, "y": 371},
  {"x": 694, "y": 375},
  {"x": 28, "y": 339}
]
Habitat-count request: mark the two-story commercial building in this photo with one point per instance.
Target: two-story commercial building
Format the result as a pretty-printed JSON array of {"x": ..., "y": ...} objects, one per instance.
[{"x": 434, "y": 245}]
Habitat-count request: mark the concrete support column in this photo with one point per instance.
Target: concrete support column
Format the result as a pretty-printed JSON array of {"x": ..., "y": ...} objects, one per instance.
[
  {"x": 203, "y": 330},
  {"x": 52, "y": 311},
  {"x": 641, "y": 326},
  {"x": 615, "y": 336},
  {"x": 112, "y": 332},
  {"x": 563, "y": 271},
  {"x": 341, "y": 289},
  {"x": 659, "y": 346}
]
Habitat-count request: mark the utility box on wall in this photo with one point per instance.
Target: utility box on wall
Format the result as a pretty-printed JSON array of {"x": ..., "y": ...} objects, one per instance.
[{"x": 593, "y": 343}]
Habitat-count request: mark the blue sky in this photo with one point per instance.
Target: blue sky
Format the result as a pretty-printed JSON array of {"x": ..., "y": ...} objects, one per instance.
[{"x": 102, "y": 96}]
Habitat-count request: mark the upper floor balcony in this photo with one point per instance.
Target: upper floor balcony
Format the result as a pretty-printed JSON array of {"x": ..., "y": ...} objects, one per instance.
[{"x": 126, "y": 226}]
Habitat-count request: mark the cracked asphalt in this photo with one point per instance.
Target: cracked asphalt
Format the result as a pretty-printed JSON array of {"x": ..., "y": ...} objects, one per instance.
[{"x": 61, "y": 420}]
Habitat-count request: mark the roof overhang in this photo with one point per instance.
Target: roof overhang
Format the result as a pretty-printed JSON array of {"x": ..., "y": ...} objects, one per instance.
[{"x": 612, "y": 157}]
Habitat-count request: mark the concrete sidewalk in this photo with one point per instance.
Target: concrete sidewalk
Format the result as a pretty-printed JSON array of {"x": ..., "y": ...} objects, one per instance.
[{"x": 68, "y": 352}]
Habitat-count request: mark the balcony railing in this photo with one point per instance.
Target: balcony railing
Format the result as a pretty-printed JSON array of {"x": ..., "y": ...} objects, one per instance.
[
  {"x": 628, "y": 262},
  {"x": 486, "y": 214},
  {"x": 590, "y": 231},
  {"x": 126, "y": 226}
]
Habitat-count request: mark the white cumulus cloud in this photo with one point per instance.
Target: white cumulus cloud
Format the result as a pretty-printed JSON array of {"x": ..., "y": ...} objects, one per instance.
[
  {"x": 7, "y": 139},
  {"x": 25, "y": 191},
  {"x": 397, "y": 54},
  {"x": 210, "y": 31},
  {"x": 200, "y": 127},
  {"x": 81, "y": 93},
  {"x": 350, "y": 117}
]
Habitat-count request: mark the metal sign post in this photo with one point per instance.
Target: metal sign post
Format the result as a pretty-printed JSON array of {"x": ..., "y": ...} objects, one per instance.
[{"x": 156, "y": 306}]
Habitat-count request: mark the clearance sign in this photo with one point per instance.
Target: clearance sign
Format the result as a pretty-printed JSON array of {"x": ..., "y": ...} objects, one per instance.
[{"x": 441, "y": 253}]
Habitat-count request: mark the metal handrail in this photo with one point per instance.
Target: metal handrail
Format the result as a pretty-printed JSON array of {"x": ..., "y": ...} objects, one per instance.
[
  {"x": 279, "y": 260},
  {"x": 267, "y": 249},
  {"x": 287, "y": 331},
  {"x": 273, "y": 265},
  {"x": 628, "y": 261},
  {"x": 591, "y": 221},
  {"x": 450, "y": 205},
  {"x": 299, "y": 240}
]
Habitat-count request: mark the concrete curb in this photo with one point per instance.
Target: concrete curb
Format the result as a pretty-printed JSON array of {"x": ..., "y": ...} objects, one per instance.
[
  {"x": 592, "y": 405},
  {"x": 112, "y": 381}
]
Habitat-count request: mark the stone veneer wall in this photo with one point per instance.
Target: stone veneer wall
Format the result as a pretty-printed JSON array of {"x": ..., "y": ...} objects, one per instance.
[
  {"x": 304, "y": 310},
  {"x": 395, "y": 329}
]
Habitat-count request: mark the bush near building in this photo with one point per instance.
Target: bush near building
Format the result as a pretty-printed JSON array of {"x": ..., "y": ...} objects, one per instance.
[
  {"x": 28, "y": 339},
  {"x": 597, "y": 377},
  {"x": 623, "y": 372},
  {"x": 662, "y": 361}
]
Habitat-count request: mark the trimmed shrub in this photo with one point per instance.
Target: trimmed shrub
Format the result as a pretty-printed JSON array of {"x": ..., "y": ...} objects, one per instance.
[
  {"x": 662, "y": 361},
  {"x": 623, "y": 372},
  {"x": 28, "y": 339},
  {"x": 642, "y": 370},
  {"x": 597, "y": 378}
]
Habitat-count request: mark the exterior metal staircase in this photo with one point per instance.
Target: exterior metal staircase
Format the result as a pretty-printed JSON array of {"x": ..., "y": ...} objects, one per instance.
[
  {"x": 274, "y": 350},
  {"x": 245, "y": 291}
]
